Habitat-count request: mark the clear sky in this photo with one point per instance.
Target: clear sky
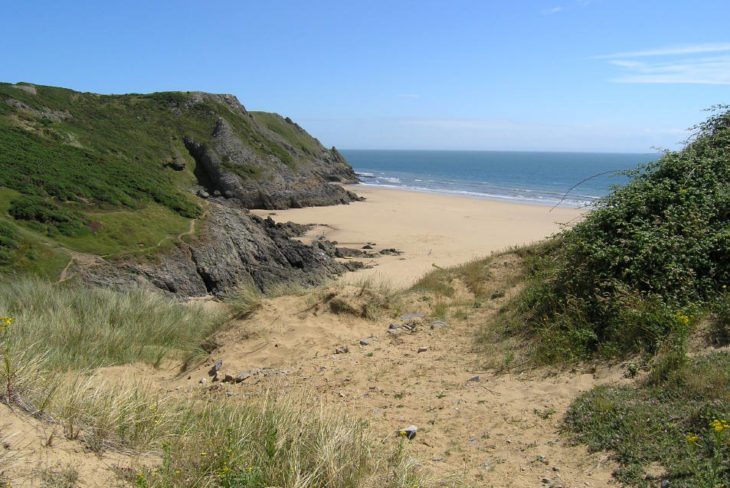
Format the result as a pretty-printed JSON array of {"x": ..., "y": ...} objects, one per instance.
[{"x": 603, "y": 75}]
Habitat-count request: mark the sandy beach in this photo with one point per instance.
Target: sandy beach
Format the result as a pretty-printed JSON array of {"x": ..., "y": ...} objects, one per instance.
[{"x": 430, "y": 229}]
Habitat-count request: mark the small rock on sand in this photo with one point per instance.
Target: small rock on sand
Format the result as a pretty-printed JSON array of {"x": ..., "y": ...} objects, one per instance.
[
  {"x": 409, "y": 432},
  {"x": 342, "y": 350},
  {"x": 422, "y": 349},
  {"x": 364, "y": 342},
  {"x": 216, "y": 367}
]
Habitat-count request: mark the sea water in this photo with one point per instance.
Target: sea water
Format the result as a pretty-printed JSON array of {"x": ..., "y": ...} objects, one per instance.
[{"x": 576, "y": 179}]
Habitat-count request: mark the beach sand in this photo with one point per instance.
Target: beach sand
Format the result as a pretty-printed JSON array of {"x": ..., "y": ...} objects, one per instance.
[{"x": 430, "y": 229}]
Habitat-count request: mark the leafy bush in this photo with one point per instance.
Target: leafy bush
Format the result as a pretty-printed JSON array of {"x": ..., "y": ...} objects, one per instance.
[
  {"x": 36, "y": 166},
  {"x": 56, "y": 218},
  {"x": 659, "y": 245},
  {"x": 8, "y": 243}
]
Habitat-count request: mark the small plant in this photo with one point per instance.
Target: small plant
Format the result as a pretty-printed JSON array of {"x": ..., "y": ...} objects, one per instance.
[
  {"x": 64, "y": 477},
  {"x": 545, "y": 413},
  {"x": 680, "y": 423},
  {"x": 709, "y": 456},
  {"x": 632, "y": 369}
]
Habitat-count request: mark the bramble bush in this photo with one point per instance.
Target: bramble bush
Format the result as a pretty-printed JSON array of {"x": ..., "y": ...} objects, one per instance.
[{"x": 655, "y": 247}]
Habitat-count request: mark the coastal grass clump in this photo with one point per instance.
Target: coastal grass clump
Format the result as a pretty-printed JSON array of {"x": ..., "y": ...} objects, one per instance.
[
  {"x": 658, "y": 247},
  {"x": 74, "y": 327},
  {"x": 677, "y": 421},
  {"x": 275, "y": 441}
]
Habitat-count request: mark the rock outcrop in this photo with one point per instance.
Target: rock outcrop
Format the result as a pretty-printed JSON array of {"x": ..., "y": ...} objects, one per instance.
[
  {"x": 276, "y": 167},
  {"x": 234, "y": 248}
]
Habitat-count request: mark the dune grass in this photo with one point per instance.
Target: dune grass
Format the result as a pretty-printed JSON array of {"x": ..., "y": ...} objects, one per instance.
[
  {"x": 59, "y": 334},
  {"x": 76, "y": 327}
]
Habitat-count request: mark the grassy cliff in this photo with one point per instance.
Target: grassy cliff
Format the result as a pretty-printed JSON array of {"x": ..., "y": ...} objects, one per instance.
[{"x": 111, "y": 174}]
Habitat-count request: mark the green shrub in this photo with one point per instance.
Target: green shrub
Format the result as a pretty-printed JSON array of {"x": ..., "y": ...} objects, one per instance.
[
  {"x": 8, "y": 243},
  {"x": 656, "y": 246},
  {"x": 675, "y": 422},
  {"x": 51, "y": 215},
  {"x": 720, "y": 330}
]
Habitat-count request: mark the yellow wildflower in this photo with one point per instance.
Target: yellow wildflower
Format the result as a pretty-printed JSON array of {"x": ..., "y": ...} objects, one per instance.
[
  {"x": 5, "y": 322},
  {"x": 682, "y": 319},
  {"x": 719, "y": 425},
  {"x": 692, "y": 438}
]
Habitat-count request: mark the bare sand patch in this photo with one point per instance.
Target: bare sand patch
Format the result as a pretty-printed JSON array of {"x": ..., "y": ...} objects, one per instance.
[{"x": 431, "y": 229}]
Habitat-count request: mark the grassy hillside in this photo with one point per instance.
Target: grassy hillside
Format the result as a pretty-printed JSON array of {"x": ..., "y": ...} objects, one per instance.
[{"x": 92, "y": 172}]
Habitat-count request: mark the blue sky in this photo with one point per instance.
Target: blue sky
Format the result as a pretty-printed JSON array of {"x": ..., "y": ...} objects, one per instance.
[{"x": 597, "y": 75}]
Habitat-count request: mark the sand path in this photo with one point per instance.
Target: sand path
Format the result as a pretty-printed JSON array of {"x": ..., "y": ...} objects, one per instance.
[{"x": 501, "y": 430}]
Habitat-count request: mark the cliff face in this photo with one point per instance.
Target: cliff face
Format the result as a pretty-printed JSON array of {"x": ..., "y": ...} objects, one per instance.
[
  {"x": 280, "y": 167},
  {"x": 234, "y": 248},
  {"x": 116, "y": 175}
]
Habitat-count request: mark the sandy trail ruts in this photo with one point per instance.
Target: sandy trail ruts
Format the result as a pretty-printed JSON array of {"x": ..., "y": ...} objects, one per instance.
[{"x": 501, "y": 431}]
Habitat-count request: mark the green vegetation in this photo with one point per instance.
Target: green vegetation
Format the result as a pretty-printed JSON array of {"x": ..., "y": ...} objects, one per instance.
[
  {"x": 79, "y": 328},
  {"x": 679, "y": 423},
  {"x": 8, "y": 243},
  {"x": 657, "y": 247},
  {"x": 289, "y": 131},
  {"x": 91, "y": 172},
  {"x": 122, "y": 231}
]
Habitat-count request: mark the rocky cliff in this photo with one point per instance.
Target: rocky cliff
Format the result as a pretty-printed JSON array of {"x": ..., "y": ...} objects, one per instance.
[
  {"x": 234, "y": 248},
  {"x": 119, "y": 175}
]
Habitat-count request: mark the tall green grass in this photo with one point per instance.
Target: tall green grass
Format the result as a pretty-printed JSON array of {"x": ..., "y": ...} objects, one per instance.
[{"x": 76, "y": 327}]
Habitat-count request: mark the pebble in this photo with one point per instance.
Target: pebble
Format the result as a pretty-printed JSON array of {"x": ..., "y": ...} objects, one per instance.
[
  {"x": 342, "y": 350},
  {"x": 202, "y": 381},
  {"x": 364, "y": 342},
  {"x": 474, "y": 378},
  {"x": 242, "y": 376},
  {"x": 216, "y": 367},
  {"x": 422, "y": 349},
  {"x": 409, "y": 432}
]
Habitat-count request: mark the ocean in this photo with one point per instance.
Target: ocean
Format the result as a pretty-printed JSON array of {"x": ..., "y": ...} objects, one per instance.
[{"x": 530, "y": 177}]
